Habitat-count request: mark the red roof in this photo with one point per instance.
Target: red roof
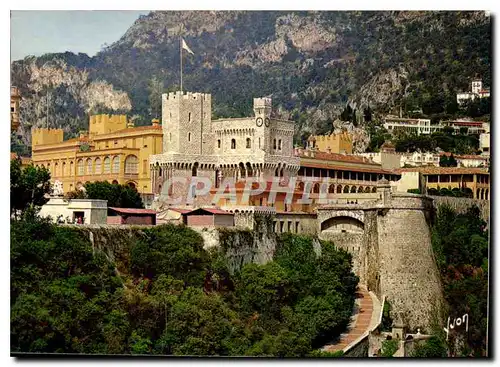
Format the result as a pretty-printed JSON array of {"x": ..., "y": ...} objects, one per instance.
[
  {"x": 465, "y": 156},
  {"x": 431, "y": 170},
  {"x": 133, "y": 211},
  {"x": 182, "y": 211},
  {"x": 466, "y": 123},
  {"x": 211, "y": 210},
  {"x": 336, "y": 157}
]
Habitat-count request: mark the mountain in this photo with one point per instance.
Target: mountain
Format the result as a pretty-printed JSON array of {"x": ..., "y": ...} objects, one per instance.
[{"x": 312, "y": 63}]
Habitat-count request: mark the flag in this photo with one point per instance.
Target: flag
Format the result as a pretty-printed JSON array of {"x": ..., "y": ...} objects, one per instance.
[{"x": 185, "y": 47}]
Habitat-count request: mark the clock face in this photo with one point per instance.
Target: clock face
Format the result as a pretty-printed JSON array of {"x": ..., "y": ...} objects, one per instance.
[
  {"x": 267, "y": 121},
  {"x": 259, "y": 121}
]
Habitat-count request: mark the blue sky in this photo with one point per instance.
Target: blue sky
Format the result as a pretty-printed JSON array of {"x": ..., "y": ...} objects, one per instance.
[{"x": 40, "y": 32}]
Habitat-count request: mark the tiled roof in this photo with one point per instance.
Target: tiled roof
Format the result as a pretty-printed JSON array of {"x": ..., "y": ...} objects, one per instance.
[
  {"x": 337, "y": 157},
  {"x": 210, "y": 210},
  {"x": 466, "y": 156},
  {"x": 430, "y": 170},
  {"x": 182, "y": 211},
  {"x": 133, "y": 211}
]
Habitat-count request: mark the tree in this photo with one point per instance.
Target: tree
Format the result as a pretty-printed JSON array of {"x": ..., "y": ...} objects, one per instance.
[
  {"x": 452, "y": 162},
  {"x": 120, "y": 196},
  {"x": 445, "y": 161},
  {"x": 28, "y": 187},
  {"x": 155, "y": 88},
  {"x": 433, "y": 348},
  {"x": 460, "y": 245}
]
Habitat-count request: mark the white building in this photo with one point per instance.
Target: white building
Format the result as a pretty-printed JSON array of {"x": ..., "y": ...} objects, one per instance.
[
  {"x": 417, "y": 159},
  {"x": 418, "y": 126},
  {"x": 83, "y": 211},
  {"x": 484, "y": 143},
  {"x": 477, "y": 91}
]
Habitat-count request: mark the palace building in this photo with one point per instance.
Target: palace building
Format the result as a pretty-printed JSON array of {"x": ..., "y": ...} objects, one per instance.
[
  {"x": 333, "y": 143},
  {"x": 194, "y": 145},
  {"x": 112, "y": 150},
  {"x": 475, "y": 181},
  {"x": 260, "y": 147}
]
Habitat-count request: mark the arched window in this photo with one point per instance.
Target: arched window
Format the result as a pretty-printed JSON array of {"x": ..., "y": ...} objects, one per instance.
[
  {"x": 218, "y": 143},
  {"x": 56, "y": 169},
  {"x": 97, "y": 168},
  {"x": 89, "y": 166},
  {"x": 189, "y": 136},
  {"x": 233, "y": 144},
  {"x": 131, "y": 164},
  {"x": 71, "y": 168},
  {"x": 279, "y": 144},
  {"x": 194, "y": 170},
  {"x": 249, "y": 143},
  {"x": 63, "y": 171},
  {"x": 116, "y": 164},
  {"x": 80, "y": 167},
  {"x": 107, "y": 165}
]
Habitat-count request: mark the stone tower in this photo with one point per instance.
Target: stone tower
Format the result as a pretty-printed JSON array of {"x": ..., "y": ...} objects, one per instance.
[
  {"x": 187, "y": 123},
  {"x": 262, "y": 112}
]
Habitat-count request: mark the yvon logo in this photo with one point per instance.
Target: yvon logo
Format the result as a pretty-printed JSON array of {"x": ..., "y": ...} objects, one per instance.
[{"x": 459, "y": 321}]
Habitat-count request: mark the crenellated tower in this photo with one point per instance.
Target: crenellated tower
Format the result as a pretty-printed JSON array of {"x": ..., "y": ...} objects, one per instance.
[{"x": 187, "y": 123}]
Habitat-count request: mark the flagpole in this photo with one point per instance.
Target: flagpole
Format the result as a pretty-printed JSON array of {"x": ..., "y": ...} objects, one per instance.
[{"x": 180, "y": 50}]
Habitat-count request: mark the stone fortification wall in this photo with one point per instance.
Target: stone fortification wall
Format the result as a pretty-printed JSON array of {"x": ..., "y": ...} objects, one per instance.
[{"x": 407, "y": 272}]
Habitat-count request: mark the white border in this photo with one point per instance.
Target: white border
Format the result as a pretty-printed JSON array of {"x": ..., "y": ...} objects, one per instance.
[{"x": 192, "y": 5}]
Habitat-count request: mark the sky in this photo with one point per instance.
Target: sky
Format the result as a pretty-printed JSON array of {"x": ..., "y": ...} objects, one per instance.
[{"x": 40, "y": 32}]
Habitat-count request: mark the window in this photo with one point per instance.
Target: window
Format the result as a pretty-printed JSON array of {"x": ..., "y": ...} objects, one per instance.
[
  {"x": 279, "y": 144},
  {"x": 12, "y": 109},
  {"x": 131, "y": 164},
  {"x": 249, "y": 143},
  {"x": 71, "y": 169},
  {"x": 274, "y": 144},
  {"x": 189, "y": 136},
  {"x": 107, "y": 165},
  {"x": 97, "y": 168},
  {"x": 144, "y": 167},
  {"x": 63, "y": 173},
  {"x": 170, "y": 136},
  {"x": 218, "y": 143},
  {"x": 189, "y": 117},
  {"x": 116, "y": 142},
  {"x": 80, "y": 166},
  {"x": 116, "y": 164},
  {"x": 233, "y": 144},
  {"x": 89, "y": 166},
  {"x": 259, "y": 143}
]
